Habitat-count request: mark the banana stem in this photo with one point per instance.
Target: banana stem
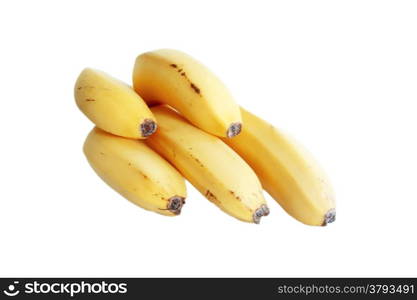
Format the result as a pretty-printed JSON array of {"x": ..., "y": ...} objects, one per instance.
[
  {"x": 148, "y": 127},
  {"x": 329, "y": 217},
  {"x": 234, "y": 129},
  {"x": 259, "y": 213},
  {"x": 175, "y": 204}
]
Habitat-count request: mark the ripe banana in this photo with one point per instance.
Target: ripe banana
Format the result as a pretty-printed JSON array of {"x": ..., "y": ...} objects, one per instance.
[
  {"x": 112, "y": 105},
  {"x": 210, "y": 165},
  {"x": 172, "y": 77},
  {"x": 287, "y": 171},
  {"x": 136, "y": 172}
]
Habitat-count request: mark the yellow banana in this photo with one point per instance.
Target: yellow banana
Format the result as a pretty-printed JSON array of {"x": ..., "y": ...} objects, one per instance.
[
  {"x": 287, "y": 171},
  {"x": 112, "y": 105},
  {"x": 172, "y": 77},
  {"x": 210, "y": 165},
  {"x": 136, "y": 172}
]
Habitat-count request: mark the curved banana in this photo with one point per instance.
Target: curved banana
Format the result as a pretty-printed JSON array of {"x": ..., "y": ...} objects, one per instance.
[
  {"x": 112, "y": 105},
  {"x": 210, "y": 165},
  {"x": 136, "y": 172},
  {"x": 172, "y": 77},
  {"x": 287, "y": 171}
]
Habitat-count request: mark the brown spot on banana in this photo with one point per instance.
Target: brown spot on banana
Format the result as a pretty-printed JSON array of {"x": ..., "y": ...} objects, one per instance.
[
  {"x": 197, "y": 160},
  {"x": 236, "y": 196},
  {"x": 144, "y": 175},
  {"x": 210, "y": 196},
  {"x": 90, "y": 100},
  {"x": 195, "y": 88},
  {"x": 192, "y": 85}
]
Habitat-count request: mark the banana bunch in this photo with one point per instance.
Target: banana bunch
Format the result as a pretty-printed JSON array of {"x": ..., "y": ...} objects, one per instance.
[{"x": 178, "y": 121}]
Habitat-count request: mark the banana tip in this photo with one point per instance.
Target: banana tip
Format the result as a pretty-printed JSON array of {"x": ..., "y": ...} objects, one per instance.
[
  {"x": 329, "y": 217},
  {"x": 175, "y": 204},
  {"x": 148, "y": 127},
  {"x": 234, "y": 129},
  {"x": 259, "y": 213}
]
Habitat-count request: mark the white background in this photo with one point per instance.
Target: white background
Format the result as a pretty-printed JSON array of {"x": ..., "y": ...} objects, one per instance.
[{"x": 339, "y": 75}]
